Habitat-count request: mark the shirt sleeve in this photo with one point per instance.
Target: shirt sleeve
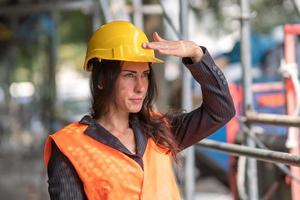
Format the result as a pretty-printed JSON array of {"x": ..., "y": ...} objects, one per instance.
[
  {"x": 216, "y": 109},
  {"x": 64, "y": 182}
]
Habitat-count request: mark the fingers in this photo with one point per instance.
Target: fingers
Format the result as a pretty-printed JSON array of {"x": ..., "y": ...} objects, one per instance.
[
  {"x": 145, "y": 46},
  {"x": 157, "y": 38},
  {"x": 172, "y": 52},
  {"x": 174, "y": 48},
  {"x": 157, "y": 44},
  {"x": 166, "y": 47}
]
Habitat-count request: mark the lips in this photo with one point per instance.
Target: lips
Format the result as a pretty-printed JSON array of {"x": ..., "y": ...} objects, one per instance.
[{"x": 136, "y": 100}]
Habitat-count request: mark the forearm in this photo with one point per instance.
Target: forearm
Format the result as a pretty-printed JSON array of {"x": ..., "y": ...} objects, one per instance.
[
  {"x": 214, "y": 87},
  {"x": 217, "y": 107}
]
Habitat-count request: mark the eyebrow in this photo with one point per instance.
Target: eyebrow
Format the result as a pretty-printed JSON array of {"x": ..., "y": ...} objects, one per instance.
[{"x": 126, "y": 70}]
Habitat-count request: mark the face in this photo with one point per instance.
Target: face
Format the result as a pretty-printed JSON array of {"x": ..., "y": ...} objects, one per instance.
[{"x": 131, "y": 87}]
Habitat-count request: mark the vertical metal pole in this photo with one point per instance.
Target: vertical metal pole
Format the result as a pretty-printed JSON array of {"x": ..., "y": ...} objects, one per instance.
[
  {"x": 138, "y": 18},
  {"x": 290, "y": 57},
  {"x": 104, "y": 5},
  {"x": 11, "y": 62},
  {"x": 53, "y": 48},
  {"x": 247, "y": 81},
  {"x": 187, "y": 105},
  {"x": 96, "y": 17}
]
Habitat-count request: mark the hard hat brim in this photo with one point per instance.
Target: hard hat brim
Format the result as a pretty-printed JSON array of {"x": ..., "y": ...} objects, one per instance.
[
  {"x": 156, "y": 60},
  {"x": 140, "y": 59}
]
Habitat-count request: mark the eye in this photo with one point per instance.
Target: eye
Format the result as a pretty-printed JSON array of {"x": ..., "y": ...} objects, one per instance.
[
  {"x": 146, "y": 74},
  {"x": 129, "y": 75}
]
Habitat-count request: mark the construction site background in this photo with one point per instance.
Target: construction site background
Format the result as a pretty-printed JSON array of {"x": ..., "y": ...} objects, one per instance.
[{"x": 43, "y": 86}]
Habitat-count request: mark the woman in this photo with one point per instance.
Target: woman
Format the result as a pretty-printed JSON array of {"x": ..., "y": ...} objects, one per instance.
[{"x": 124, "y": 150}]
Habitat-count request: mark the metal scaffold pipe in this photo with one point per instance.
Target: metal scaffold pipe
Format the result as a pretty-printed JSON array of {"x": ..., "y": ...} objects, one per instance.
[
  {"x": 104, "y": 4},
  {"x": 292, "y": 101},
  {"x": 138, "y": 17},
  {"x": 248, "y": 105},
  {"x": 259, "y": 154},
  {"x": 46, "y": 7},
  {"x": 274, "y": 119},
  {"x": 189, "y": 185}
]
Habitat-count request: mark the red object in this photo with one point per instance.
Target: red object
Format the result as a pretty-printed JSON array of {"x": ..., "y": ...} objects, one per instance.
[
  {"x": 271, "y": 100},
  {"x": 290, "y": 30}
]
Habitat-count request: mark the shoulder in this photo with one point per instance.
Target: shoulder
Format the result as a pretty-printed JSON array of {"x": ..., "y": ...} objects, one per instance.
[
  {"x": 63, "y": 135},
  {"x": 70, "y": 129},
  {"x": 69, "y": 135}
]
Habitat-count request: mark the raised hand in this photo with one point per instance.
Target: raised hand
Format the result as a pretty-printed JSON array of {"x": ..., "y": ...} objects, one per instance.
[{"x": 181, "y": 48}]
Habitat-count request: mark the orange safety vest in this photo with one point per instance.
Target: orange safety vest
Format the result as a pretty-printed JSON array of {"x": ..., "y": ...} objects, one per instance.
[{"x": 108, "y": 174}]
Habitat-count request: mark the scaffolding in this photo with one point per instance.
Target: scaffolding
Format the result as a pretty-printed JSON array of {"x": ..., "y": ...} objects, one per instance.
[
  {"x": 259, "y": 154},
  {"x": 250, "y": 116}
]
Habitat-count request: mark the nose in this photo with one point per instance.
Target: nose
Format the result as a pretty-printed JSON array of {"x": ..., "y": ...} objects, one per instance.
[{"x": 141, "y": 84}]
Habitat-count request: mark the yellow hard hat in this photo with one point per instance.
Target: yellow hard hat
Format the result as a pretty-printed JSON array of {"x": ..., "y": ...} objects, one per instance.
[{"x": 119, "y": 40}]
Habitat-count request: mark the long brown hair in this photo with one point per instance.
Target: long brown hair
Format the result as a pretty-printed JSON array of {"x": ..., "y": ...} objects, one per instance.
[{"x": 102, "y": 83}]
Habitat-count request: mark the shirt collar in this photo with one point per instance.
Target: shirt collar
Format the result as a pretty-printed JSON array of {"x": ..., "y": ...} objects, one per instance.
[{"x": 99, "y": 133}]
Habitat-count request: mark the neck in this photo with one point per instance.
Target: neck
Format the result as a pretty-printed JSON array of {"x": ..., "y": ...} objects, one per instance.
[{"x": 115, "y": 121}]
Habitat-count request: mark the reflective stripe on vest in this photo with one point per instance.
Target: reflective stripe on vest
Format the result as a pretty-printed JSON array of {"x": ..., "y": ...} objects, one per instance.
[{"x": 108, "y": 174}]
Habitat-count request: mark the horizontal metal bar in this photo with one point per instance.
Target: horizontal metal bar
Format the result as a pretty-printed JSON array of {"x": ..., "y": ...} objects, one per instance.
[
  {"x": 150, "y": 9},
  {"x": 274, "y": 119},
  {"x": 259, "y": 154},
  {"x": 23, "y": 9}
]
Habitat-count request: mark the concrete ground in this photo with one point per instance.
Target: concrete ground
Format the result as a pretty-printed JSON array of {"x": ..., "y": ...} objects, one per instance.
[{"x": 210, "y": 188}]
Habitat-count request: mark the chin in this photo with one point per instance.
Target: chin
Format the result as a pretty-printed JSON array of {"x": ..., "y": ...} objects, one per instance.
[{"x": 135, "y": 110}]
